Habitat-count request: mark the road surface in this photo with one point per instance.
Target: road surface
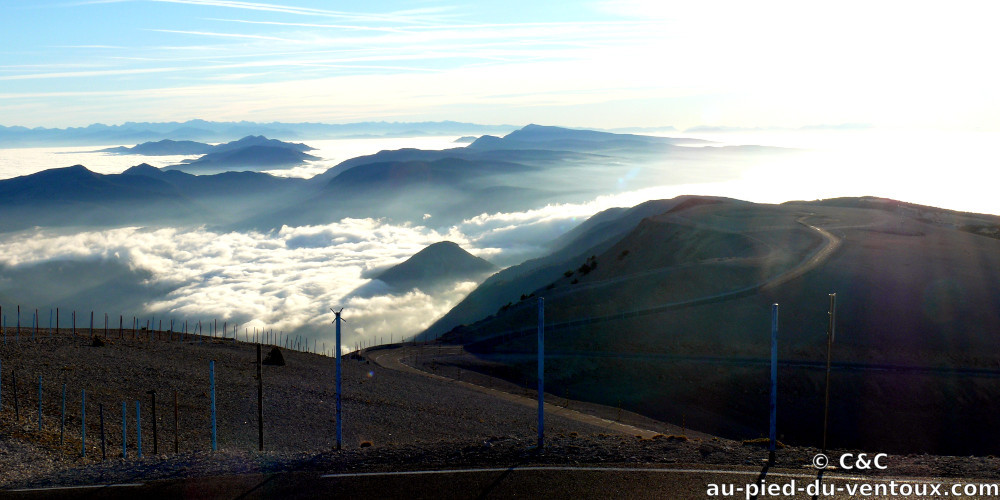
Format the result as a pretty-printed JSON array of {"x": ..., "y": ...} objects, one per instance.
[{"x": 489, "y": 483}]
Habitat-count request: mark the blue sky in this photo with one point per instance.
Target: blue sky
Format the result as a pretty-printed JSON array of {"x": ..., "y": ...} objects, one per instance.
[{"x": 595, "y": 63}]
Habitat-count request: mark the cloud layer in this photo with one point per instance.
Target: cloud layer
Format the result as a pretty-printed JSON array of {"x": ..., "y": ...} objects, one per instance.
[{"x": 288, "y": 280}]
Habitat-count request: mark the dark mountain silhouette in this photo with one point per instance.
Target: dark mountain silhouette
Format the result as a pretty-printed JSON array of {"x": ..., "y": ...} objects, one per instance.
[
  {"x": 246, "y": 158},
  {"x": 385, "y": 156},
  {"x": 248, "y": 153},
  {"x": 440, "y": 264},
  {"x": 221, "y": 184},
  {"x": 536, "y": 157},
  {"x": 591, "y": 237},
  {"x": 163, "y": 148},
  {"x": 671, "y": 319},
  {"x": 559, "y": 138},
  {"x": 76, "y": 196},
  {"x": 446, "y": 171},
  {"x": 77, "y": 184},
  {"x": 259, "y": 140}
]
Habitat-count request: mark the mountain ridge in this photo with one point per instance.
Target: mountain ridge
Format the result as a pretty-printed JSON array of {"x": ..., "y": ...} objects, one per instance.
[{"x": 440, "y": 264}]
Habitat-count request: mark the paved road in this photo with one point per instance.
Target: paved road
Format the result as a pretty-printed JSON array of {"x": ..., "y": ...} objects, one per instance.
[{"x": 514, "y": 482}]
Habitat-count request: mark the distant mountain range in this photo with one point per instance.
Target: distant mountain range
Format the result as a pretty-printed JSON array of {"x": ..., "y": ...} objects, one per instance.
[
  {"x": 441, "y": 264},
  {"x": 525, "y": 169},
  {"x": 207, "y": 131}
]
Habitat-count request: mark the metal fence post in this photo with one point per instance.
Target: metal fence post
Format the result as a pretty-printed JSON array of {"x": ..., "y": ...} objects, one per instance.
[
  {"x": 831, "y": 330},
  {"x": 340, "y": 420}
]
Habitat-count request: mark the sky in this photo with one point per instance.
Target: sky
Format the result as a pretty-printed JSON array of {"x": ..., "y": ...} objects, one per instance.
[{"x": 628, "y": 63}]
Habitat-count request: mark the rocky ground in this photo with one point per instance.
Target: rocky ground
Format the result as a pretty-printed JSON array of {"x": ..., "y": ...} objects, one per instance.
[{"x": 392, "y": 419}]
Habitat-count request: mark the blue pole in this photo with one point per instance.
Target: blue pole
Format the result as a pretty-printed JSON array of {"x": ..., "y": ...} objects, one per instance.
[
  {"x": 138, "y": 429},
  {"x": 211, "y": 379},
  {"x": 83, "y": 423},
  {"x": 340, "y": 420},
  {"x": 124, "y": 431},
  {"x": 34, "y": 325},
  {"x": 774, "y": 378},
  {"x": 541, "y": 372}
]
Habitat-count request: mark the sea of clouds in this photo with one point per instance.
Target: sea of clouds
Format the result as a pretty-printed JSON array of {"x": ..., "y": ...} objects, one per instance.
[{"x": 287, "y": 280}]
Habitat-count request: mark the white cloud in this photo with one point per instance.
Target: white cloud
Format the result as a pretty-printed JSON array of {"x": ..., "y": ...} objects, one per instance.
[{"x": 288, "y": 279}]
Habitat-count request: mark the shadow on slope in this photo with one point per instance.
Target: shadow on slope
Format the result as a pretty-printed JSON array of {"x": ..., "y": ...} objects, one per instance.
[{"x": 918, "y": 312}]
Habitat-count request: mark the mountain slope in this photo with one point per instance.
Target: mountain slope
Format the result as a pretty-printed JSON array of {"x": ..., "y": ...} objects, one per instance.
[
  {"x": 559, "y": 138},
  {"x": 442, "y": 263},
  {"x": 76, "y": 196},
  {"x": 591, "y": 237},
  {"x": 164, "y": 147},
  {"x": 246, "y": 158},
  {"x": 672, "y": 320}
]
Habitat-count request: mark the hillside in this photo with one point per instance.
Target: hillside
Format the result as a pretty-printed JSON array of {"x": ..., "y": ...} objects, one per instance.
[
  {"x": 559, "y": 138},
  {"x": 403, "y": 418},
  {"x": 442, "y": 263},
  {"x": 163, "y": 148},
  {"x": 918, "y": 294},
  {"x": 434, "y": 414},
  {"x": 143, "y": 194},
  {"x": 246, "y": 158},
  {"x": 591, "y": 237}
]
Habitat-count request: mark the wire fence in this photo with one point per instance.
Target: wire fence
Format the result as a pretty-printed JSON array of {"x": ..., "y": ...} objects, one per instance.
[{"x": 57, "y": 403}]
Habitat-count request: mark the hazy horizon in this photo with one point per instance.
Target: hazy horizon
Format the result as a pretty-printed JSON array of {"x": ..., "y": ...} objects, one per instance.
[{"x": 603, "y": 64}]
